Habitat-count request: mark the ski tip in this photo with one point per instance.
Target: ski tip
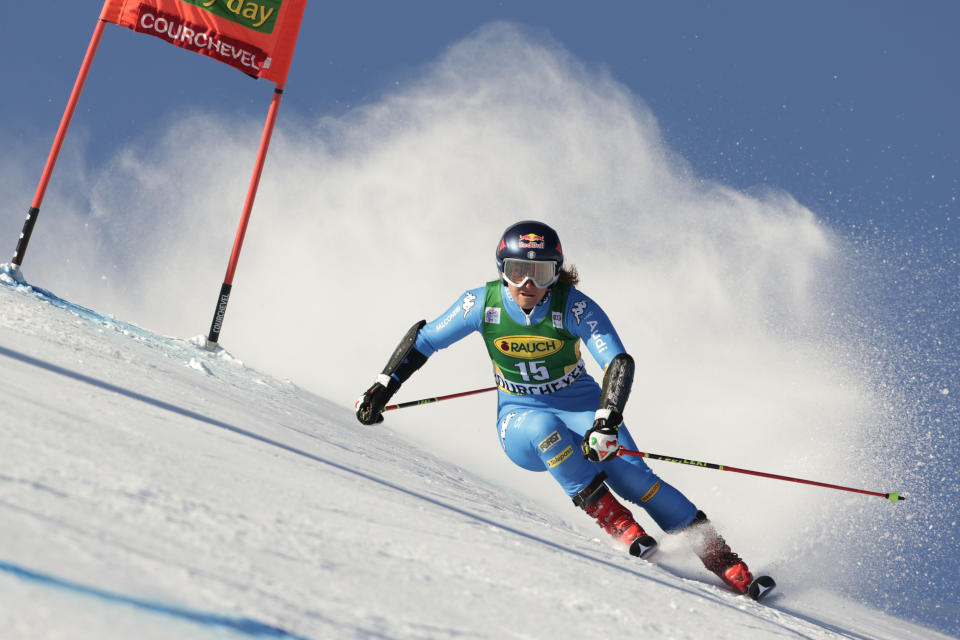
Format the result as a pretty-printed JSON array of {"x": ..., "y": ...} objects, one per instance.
[
  {"x": 760, "y": 587},
  {"x": 643, "y": 547}
]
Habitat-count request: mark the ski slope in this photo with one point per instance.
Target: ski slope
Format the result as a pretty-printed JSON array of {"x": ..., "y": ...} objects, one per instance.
[{"x": 152, "y": 489}]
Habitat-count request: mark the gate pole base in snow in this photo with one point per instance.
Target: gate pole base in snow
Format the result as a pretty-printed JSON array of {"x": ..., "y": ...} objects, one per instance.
[{"x": 218, "y": 314}]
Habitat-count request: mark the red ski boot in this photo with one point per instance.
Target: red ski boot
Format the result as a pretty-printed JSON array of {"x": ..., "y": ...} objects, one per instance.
[
  {"x": 614, "y": 518},
  {"x": 716, "y": 555}
]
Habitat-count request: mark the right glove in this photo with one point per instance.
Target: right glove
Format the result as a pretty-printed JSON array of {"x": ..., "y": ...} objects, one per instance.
[
  {"x": 370, "y": 405},
  {"x": 600, "y": 442}
]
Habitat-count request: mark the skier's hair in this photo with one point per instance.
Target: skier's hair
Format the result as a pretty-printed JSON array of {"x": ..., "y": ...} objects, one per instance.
[{"x": 569, "y": 275}]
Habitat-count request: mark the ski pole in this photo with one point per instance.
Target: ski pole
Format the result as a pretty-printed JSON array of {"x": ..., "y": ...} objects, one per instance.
[
  {"x": 892, "y": 496},
  {"x": 416, "y": 403}
]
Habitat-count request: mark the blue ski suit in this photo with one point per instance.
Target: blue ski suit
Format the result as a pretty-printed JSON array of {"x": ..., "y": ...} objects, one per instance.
[{"x": 540, "y": 426}]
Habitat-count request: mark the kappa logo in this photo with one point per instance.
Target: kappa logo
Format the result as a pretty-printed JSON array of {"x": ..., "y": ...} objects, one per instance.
[
  {"x": 527, "y": 347},
  {"x": 577, "y": 310},
  {"x": 468, "y": 301}
]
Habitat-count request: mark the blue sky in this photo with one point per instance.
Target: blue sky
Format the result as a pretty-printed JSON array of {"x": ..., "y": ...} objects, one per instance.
[{"x": 849, "y": 107}]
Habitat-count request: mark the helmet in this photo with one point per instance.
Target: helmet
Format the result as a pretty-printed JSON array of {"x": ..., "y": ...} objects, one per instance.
[{"x": 529, "y": 250}]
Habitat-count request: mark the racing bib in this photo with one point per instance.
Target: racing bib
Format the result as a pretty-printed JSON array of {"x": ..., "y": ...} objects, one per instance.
[{"x": 536, "y": 359}]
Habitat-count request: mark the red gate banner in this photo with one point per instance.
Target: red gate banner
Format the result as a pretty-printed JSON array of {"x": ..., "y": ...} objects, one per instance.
[{"x": 255, "y": 36}]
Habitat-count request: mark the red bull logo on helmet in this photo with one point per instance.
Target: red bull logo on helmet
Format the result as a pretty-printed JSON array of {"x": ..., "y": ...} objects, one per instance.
[{"x": 531, "y": 241}]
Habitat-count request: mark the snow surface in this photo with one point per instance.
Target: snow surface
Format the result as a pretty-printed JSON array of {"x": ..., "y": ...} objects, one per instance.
[{"x": 152, "y": 489}]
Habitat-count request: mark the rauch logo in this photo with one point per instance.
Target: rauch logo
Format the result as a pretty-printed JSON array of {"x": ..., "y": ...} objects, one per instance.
[{"x": 527, "y": 346}]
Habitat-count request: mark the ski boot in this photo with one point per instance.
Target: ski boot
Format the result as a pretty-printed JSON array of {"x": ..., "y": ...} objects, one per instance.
[
  {"x": 717, "y": 556},
  {"x": 600, "y": 504}
]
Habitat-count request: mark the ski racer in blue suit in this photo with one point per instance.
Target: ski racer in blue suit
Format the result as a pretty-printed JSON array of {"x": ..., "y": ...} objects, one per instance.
[{"x": 551, "y": 414}]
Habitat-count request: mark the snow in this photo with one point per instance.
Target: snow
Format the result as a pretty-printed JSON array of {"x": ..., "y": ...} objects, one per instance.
[{"x": 152, "y": 489}]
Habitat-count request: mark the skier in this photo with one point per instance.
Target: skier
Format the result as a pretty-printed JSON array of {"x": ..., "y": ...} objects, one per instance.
[{"x": 551, "y": 414}]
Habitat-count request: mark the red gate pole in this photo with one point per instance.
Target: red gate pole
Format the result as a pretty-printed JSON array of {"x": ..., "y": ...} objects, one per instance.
[
  {"x": 34, "y": 210},
  {"x": 224, "y": 298}
]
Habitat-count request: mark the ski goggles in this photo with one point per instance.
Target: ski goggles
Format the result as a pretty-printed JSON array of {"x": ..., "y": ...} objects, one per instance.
[{"x": 517, "y": 272}]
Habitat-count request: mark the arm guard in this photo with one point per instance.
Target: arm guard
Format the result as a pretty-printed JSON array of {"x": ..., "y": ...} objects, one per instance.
[
  {"x": 405, "y": 359},
  {"x": 617, "y": 382}
]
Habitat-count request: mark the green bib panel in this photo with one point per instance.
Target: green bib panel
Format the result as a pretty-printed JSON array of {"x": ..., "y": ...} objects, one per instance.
[{"x": 535, "y": 359}]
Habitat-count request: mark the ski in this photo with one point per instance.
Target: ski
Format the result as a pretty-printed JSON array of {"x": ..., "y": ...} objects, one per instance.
[
  {"x": 646, "y": 546},
  {"x": 643, "y": 547},
  {"x": 760, "y": 587}
]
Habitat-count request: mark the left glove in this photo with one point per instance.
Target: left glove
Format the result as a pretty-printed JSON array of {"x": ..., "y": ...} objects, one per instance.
[
  {"x": 370, "y": 405},
  {"x": 600, "y": 442}
]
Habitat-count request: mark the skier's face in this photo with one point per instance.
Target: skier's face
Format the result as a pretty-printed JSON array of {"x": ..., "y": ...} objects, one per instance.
[{"x": 527, "y": 296}]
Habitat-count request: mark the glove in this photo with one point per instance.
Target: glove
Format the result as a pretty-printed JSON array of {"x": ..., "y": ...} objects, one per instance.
[
  {"x": 600, "y": 442},
  {"x": 370, "y": 405}
]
